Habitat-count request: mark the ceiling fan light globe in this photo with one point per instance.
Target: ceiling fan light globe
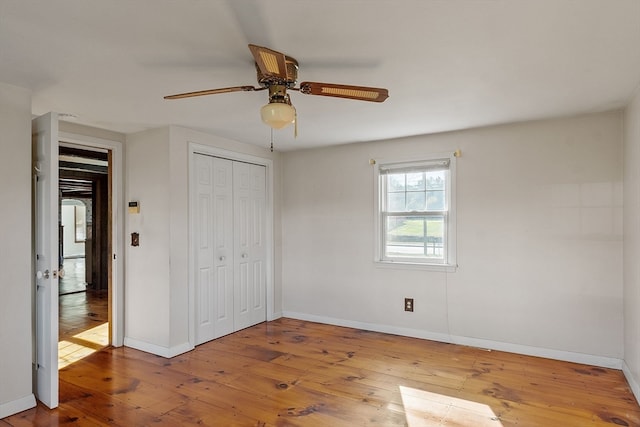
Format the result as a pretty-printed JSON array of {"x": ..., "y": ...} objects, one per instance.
[{"x": 278, "y": 115}]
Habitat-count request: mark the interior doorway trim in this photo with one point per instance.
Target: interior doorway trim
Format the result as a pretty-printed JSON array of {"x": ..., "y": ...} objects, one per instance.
[
  {"x": 207, "y": 150},
  {"x": 117, "y": 220}
]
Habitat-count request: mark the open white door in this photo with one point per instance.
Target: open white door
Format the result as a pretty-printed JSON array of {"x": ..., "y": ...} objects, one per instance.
[{"x": 45, "y": 154}]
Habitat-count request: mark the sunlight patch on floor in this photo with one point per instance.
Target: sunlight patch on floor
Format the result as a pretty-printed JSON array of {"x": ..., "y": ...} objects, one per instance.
[
  {"x": 423, "y": 408},
  {"x": 82, "y": 345}
]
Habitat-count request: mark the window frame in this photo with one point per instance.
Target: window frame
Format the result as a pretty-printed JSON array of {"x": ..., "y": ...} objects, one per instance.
[{"x": 381, "y": 167}]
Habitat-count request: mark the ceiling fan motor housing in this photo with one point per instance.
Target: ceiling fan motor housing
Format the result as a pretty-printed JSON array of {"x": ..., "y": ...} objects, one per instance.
[
  {"x": 278, "y": 94},
  {"x": 292, "y": 75}
]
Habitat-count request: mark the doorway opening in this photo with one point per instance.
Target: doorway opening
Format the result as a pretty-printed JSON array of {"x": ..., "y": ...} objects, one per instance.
[{"x": 84, "y": 250}]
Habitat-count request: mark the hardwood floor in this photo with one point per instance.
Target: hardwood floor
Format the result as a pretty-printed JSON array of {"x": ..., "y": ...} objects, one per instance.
[
  {"x": 83, "y": 325},
  {"x": 295, "y": 373}
]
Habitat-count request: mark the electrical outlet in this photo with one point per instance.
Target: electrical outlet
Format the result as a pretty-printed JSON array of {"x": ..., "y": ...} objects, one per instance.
[{"x": 408, "y": 304}]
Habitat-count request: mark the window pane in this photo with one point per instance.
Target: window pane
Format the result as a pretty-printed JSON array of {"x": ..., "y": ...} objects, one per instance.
[
  {"x": 396, "y": 202},
  {"x": 395, "y": 182},
  {"x": 435, "y": 200},
  {"x": 416, "y": 201},
  {"x": 436, "y": 180},
  {"x": 418, "y": 236},
  {"x": 415, "y": 181}
]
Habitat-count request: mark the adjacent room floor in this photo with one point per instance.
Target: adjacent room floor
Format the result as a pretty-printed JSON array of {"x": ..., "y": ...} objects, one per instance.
[
  {"x": 73, "y": 279},
  {"x": 83, "y": 316}
]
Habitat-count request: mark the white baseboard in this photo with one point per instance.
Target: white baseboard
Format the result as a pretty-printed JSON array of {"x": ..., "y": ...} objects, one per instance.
[
  {"x": 18, "y": 405},
  {"x": 568, "y": 356},
  {"x": 633, "y": 384},
  {"x": 158, "y": 350}
]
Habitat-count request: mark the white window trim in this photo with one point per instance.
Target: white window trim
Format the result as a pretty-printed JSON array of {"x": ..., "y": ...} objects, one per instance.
[{"x": 451, "y": 264}]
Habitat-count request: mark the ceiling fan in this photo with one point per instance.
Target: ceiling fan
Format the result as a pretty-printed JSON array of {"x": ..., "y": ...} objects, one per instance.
[{"x": 278, "y": 72}]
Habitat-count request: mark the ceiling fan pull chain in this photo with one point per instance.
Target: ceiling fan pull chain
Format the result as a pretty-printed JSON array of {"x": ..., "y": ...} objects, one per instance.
[
  {"x": 295, "y": 123},
  {"x": 272, "y": 140}
]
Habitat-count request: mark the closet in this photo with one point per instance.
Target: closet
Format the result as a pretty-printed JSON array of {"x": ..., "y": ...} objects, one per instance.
[{"x": 230, "y": 248}]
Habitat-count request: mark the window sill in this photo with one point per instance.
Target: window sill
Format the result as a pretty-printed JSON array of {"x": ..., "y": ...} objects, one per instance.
[{"x": 403, "y": 265}]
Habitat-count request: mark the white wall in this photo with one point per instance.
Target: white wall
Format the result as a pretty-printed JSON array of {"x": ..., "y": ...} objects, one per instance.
[
  {"x": 539, "y": 240},
  {"x": 632, "y": 244},
  {"x": 147, "y": 293},
  {"x": 15, "y": 251},
  {"x": 157, "y": 272}
]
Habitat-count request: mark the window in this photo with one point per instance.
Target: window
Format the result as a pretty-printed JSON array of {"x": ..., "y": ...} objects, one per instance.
[{"x": 416, "y": 212}]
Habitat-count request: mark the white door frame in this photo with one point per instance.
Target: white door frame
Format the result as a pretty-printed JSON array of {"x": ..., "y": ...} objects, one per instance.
[
  {"x": 117, "y": 221},
  {"x": 207, "y": 150}
]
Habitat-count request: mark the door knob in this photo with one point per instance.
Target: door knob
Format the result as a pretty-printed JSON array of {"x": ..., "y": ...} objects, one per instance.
[
  {"x": 244, "y": 255},
  {"x": 221, "y": 258},
  {"x": 40, "y": 274}
]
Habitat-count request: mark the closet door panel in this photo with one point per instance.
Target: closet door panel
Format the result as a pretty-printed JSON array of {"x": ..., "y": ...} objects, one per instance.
[
  {"x": 242, "y": 249},
  {"x": 223, "y": 256},
  {"x": 258, "y": 243},
  {"x": 205, "y": 325}
]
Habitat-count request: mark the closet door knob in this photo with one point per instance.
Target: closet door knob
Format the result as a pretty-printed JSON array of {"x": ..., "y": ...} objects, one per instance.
[
  {"x": 222, "y": 258},
  {"x": 244, "y": 255}
]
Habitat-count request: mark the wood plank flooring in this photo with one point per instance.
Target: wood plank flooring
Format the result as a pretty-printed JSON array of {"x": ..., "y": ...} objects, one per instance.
[
  {"x": 81, "y": 311},
  {"x": 294, "y": 373},
  {"x": 83, "y": 326}
]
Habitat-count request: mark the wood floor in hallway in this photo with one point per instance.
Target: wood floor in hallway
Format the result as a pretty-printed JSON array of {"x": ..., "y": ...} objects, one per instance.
[
  {"x": 294, "y": 373},
  {"x": 83, "y": 326},
  {"x": 83, "y": 322}
]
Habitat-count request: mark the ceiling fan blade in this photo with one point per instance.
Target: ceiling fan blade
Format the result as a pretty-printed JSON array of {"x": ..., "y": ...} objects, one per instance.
[
  {"x": 361, "y": 93},
  {"x": 271, "y": 63},
  {"x": 214, "y": 91}
]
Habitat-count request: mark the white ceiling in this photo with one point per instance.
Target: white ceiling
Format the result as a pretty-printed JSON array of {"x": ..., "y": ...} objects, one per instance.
[{"x": 448, "y": 64}]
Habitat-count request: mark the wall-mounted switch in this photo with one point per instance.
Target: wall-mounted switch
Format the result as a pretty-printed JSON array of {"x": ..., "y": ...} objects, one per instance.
[
  {"x": 135, "y": 239},
  {"x": 408, "y": 304}
]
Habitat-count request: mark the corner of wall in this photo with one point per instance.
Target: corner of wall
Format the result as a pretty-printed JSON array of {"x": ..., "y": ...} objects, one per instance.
[{"x": 633, "y": 384}]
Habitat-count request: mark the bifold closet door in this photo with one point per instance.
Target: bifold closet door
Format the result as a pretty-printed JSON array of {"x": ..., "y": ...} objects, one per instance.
[{"x": 229, "y": 219}]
